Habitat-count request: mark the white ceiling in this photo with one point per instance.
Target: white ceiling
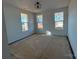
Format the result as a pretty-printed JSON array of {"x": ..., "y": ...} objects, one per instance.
[{"x": 46, "y": 4}]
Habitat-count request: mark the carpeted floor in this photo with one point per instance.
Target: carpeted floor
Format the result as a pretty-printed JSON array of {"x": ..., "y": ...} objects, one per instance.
[{"x": 41, "y": 47}]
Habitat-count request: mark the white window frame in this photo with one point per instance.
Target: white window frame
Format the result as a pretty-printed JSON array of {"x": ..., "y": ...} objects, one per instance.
[
  {"x": 61, "y": 21},
  {"x": 24, "y": 22},
  {"x": 39, "y": 22}
]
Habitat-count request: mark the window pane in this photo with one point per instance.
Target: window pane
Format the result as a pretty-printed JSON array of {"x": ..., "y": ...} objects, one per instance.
[
  {"x": 59, "y": 16},
  {"x": 24, "y": 18},
  {"x": 59, "y": 24},
  {"x": 39, "y": 18},
  {"x": 24, "y": 27},
  {"x": 40, "y": 25}
]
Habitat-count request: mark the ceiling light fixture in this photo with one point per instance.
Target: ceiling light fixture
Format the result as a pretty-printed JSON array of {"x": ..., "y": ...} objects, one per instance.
[{"x": 37, "y": 5}]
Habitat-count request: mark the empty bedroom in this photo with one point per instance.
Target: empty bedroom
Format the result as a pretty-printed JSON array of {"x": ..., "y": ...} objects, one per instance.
[{"x": 40, "y": 29}]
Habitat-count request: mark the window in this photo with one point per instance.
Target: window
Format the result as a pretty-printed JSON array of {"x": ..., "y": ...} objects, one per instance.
[
  {"x": 24, "y": 21},
  {"x": 59, "y": 17},
  {"x": 40, "y": 21}
]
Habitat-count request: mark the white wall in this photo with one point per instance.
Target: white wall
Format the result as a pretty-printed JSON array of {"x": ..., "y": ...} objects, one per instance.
[
  {"x": 49, "y": 24},
  {"x": 5, "y": 51},
  {"x": 13, "y": 23},
  {"x": 72, "y": 25}
]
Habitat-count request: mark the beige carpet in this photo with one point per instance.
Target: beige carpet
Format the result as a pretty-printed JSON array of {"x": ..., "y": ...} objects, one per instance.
[{"x": 41, "y": 47}]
